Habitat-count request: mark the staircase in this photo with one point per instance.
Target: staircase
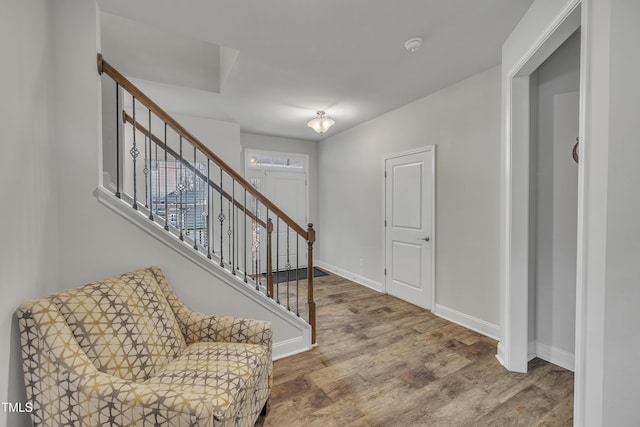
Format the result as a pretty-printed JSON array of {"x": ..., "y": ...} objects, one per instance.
[{"x": 190, "y": 198}]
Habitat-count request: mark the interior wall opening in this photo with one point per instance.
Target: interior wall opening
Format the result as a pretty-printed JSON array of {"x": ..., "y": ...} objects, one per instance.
[{"x": 553, "y": 205}]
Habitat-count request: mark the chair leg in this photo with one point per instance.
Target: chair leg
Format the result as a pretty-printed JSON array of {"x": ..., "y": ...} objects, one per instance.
[{"x": 265, "y": 409}]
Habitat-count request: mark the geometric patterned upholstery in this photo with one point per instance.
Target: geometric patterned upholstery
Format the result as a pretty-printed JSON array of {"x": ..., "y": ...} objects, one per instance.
[
  {"x": 222, "y": 371},
  {"x": 126, "y": 351},
  {"x": 124, "y": 324}
]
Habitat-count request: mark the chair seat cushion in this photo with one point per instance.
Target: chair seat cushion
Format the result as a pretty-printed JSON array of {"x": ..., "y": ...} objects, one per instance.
[{"x": 224, "y": 372}]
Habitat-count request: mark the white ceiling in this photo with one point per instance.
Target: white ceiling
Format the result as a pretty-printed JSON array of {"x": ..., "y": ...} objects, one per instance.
[{"x": 346, "y": 57}]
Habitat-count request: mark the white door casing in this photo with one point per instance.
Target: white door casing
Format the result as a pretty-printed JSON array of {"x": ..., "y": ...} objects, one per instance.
[
  {"x": 409, "y": 226},
  {"x": 514, "y": 245}
]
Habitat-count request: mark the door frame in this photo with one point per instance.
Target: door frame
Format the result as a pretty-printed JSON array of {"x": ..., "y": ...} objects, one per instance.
[
  {"x": 305, "y": 169},
  {"x": 250, "y": 171},
  {"x": 433, "y": 237},
  {"x": 514, "y": 188}
]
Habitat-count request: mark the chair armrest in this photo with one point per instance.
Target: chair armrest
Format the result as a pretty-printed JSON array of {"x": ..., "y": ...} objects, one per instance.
[
  {"x": 206, "y": 327},
  {"x": 197, "y": 327}
]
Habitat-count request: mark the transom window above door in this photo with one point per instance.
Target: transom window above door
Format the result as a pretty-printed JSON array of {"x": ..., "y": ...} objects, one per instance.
[{"x": 261, "y": 160}]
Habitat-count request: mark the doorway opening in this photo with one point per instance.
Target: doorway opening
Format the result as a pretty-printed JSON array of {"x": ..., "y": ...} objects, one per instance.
[
  {"x": 553, "y": 205},
  {"x": 518, "y": 260},
  {"x": 283, "y": 178}
]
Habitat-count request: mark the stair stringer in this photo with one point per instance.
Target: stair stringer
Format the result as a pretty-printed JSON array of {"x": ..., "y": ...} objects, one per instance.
[{"x": 280, "y": 318}]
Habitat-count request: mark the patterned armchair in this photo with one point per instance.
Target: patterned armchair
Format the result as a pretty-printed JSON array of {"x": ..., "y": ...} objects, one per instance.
[{"x": 126, "y": 351}]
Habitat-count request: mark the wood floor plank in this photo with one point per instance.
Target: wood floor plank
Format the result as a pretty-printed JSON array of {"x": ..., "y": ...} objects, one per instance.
[{"x": 383, "y": 362}]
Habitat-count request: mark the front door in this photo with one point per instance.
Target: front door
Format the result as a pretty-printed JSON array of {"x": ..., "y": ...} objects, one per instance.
[
  {"x": 409, "y": 218},
  {"x": 288, "y": 190}
]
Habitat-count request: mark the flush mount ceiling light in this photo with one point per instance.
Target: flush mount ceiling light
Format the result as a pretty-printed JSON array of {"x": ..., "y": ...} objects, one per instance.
[
  {"x": 413, "y": 44},
  {"x": 321, "y": 123}
]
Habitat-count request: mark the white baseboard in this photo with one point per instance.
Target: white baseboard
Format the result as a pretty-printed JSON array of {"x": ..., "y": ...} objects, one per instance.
[
  {"x": 470, "y": 322},
  {"x": 376, "y": 286},
  {"x": 290, "y": 347},
  {"x": 554, "y": 355}
]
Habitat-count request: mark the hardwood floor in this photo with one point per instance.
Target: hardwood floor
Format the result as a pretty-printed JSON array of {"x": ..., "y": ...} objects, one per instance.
[{"x": 384, "y": 362}]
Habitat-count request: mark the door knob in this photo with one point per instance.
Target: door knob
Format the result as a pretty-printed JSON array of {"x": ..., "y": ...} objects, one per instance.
[{"x": 426, "y": 239}]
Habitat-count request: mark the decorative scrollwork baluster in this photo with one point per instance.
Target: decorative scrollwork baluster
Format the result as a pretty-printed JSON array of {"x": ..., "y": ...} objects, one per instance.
[
  {"x": 166, "y": 181},
  {"x": 221, "y": 218},
  {"x": 195, "y": 198},
  {"x": 181, "y": 188},
  {"x": 134, "y": 153}
]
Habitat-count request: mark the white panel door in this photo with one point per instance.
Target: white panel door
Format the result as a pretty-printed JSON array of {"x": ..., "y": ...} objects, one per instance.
[
  {"x": 288, "y": 190},
  {"x": 409, "y": 188}
]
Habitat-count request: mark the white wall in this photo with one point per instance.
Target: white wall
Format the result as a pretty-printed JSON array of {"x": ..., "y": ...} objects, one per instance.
[
  {"x": 223, "y": 138},
  {"x": 622, "y": 289},
  {"x": 556, "y": 181},
  {"x": 463, "y": 120},
  {"x": 288, "y": 145},
  {"x": 27, "y": 172}
]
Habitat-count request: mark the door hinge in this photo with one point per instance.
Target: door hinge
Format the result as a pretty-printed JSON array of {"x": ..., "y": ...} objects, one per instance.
[
  {"x": 385, "y": 222},
  {"x": 385, "y": 174},
  {"x": 385, "y": 271}
]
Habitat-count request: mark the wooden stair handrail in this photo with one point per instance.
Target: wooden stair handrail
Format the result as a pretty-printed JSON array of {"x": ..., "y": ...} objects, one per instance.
[{"x": 105, "y": 67}]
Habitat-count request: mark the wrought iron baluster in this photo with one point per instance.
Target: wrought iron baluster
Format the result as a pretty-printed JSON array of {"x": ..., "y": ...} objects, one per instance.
[
  {"x": 278, "y": 260},
  {"x": 236, "y": 234},
  {"x": 208, "y": 208},
  {"x": 157, "y": 190},
  {"x": 288, "y": 267},
  {"x": 245, "y": 235},
  {"x": 259, "y": 236},
  {"x": 181, "y": 188},
  {"x": 134, "y": 153},
  {"x": 166, "y": 182},
  {"x": 221, "y": 219},
  {"x": 232, "y": 251},
  {"x": 118, "y": 138},
  {"x": 268, "y": 271},
  {"x": 256, "y": 247},
  {"x": 195, "y": 194},
  {"x": 298, "y": 274},
  {"x": 229, "y": 238},
  {"x": 147, "y": 173}
]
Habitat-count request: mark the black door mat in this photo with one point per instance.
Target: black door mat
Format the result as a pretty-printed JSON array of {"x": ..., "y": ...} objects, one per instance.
[{"x": 296, "y": 274}]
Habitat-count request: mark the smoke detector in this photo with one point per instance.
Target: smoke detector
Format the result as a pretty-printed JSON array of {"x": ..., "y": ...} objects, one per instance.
[{"x": 413, "y": 44}]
